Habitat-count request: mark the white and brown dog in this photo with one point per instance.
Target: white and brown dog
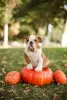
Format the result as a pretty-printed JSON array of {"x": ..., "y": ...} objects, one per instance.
[{"x": 34, "y": 56}]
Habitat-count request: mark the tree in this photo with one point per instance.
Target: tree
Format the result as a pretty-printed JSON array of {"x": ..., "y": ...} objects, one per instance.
[
  {"x": 39, "y": 13},
  {"x": 6, "y": 15},
  {"x": 36, "y": 13},
  {"x": 8, "y": 8}
]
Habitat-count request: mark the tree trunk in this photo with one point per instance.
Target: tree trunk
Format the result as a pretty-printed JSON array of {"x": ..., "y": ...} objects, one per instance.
[
  {"x": 64, "y": 36},
  {"x": 48, "y": 34},
  {"x": 46, "y": 39},
  {"x": 5, "y": 35},
  {"x": 46, "y": 30}
]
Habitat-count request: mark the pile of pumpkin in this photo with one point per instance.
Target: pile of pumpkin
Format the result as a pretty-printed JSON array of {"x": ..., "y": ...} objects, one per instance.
[{"x": 35, "y": 78}]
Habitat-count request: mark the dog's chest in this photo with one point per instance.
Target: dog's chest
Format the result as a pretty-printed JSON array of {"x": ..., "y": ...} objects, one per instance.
[{"x": 34, "y": 58}]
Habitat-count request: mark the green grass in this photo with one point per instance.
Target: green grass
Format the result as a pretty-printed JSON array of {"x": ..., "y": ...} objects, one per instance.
[{"x": 13, "y": 59}]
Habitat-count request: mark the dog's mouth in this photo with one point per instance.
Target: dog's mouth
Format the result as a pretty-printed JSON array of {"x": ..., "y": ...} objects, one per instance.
[{"x": 31, "y": 48}]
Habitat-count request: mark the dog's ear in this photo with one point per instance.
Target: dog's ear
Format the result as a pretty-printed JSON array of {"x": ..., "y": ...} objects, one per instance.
[
  {"x": 26, "y": 39},
  {"x": 39, "y": 39}
]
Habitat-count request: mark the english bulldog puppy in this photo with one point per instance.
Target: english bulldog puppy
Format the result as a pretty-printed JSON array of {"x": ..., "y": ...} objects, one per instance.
[{"x": 34, "y": 56}]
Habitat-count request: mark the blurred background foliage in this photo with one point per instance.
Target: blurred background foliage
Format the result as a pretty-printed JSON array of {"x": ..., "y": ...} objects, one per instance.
[{"x": 33, "y": 17}]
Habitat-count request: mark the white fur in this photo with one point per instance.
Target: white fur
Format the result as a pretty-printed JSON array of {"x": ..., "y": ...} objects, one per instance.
[
  {"x": 31, "y": 38},
  {"x": 29, "y": 66},
  {"x": 35, "y": 57}
]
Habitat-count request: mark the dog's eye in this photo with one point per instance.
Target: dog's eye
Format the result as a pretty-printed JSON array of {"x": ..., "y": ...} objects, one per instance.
[
  {"x": 27, "y": 40},
  {"x": 35, "y": 40}
]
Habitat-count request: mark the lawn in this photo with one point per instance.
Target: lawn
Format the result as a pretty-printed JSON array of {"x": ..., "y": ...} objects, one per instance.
[{"x": 13, "y": 59}]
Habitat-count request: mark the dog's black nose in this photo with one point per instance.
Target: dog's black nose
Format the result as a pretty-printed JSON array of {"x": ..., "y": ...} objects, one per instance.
[{"x": 31, "y": 42}]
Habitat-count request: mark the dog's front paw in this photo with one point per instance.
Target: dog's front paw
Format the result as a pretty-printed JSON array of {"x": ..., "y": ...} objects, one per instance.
[
  {"x": 29, "y": 66},
  {"x": 38, "y": 69}
]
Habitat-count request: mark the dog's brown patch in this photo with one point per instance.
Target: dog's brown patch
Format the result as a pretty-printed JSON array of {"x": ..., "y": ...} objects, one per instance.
[
  {"x": 39, "y": 39},
  {"x": 37, "y": 43},
  {"x": 27, "y": 58},
  {"x": 45, "y": 59}
]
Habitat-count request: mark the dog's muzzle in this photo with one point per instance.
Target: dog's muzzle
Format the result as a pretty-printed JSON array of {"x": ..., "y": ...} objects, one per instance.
[{"x": 31, "y": 48}]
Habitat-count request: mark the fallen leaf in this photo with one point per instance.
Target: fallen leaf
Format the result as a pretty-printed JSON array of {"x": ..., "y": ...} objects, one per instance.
[
  {"x": 27, "y": 89},
  {"x": 54, "y": 98},
  {"x": 3, "y": 71},
  {"x": 0, "y": 74},
  {"x": 35, "y": 86},
  {"x": 2, "y": 82},
  {"x": 65, "y": 65},
  {"x": 58, "y": 83}
]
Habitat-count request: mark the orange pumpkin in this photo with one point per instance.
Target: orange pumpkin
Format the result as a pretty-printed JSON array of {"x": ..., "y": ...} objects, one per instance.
[
  {"x": 36, "y": 78},
  {"x": 59, "y": 77},
  {"x": 12, "y": 77}
]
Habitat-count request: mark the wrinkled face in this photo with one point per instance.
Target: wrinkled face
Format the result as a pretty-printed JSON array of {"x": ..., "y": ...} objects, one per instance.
[{"x": 33, "y": 43}]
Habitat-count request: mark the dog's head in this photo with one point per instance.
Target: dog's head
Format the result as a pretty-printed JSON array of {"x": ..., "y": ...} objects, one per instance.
[{"x": 33, "y": 43}]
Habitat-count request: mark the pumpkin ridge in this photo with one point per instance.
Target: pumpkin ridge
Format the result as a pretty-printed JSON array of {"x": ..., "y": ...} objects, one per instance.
[
  {"x": 31, "y": 78},
  {"x": 42, "y": 79}
]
